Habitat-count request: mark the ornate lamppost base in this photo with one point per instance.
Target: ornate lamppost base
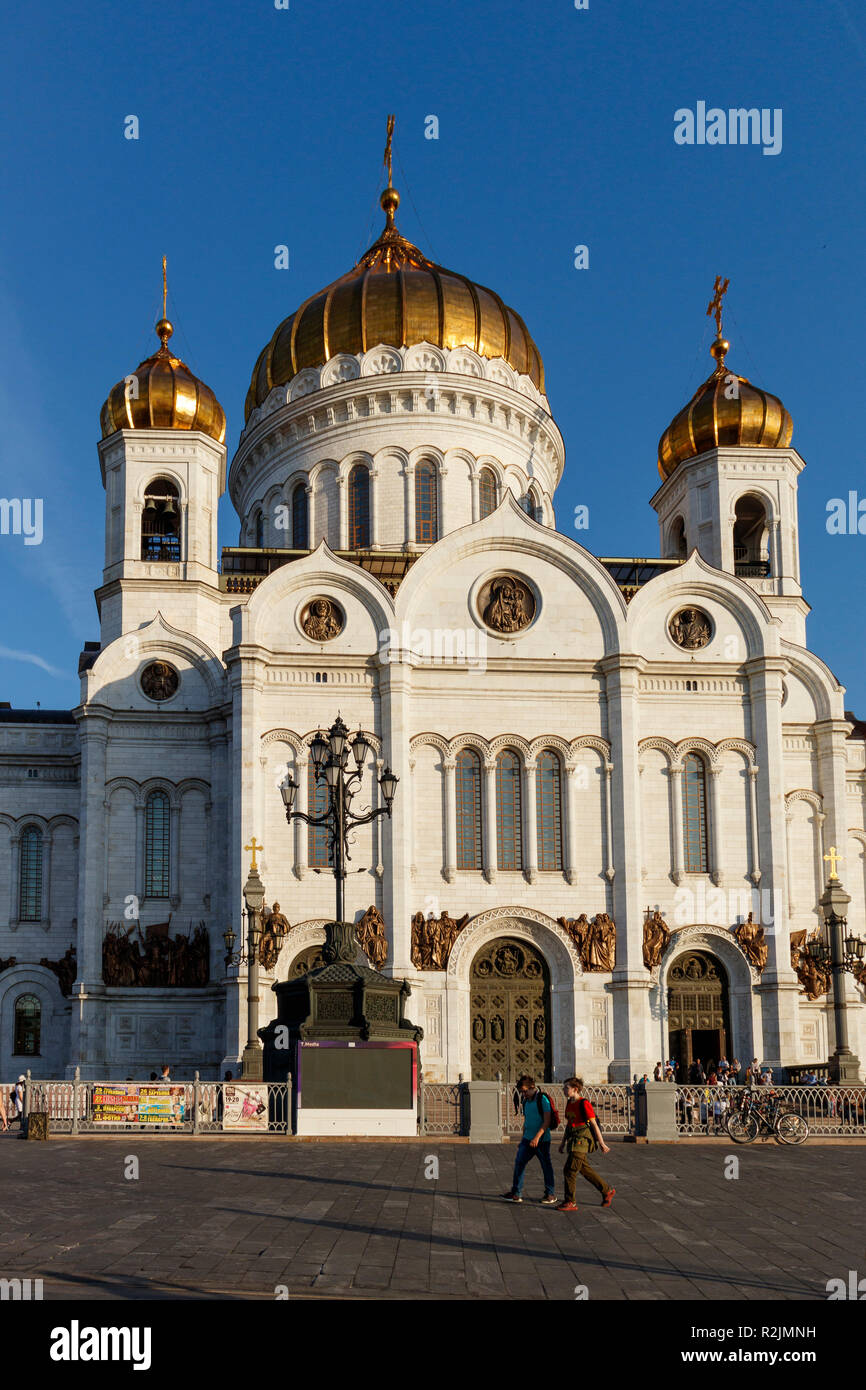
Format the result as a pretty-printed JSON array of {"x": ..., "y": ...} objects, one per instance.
[{"x": 845, "y": 1069}]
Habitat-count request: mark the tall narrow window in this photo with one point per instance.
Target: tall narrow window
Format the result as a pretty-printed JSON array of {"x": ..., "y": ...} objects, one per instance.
[
  {"x": 468, "y": 775},
  {"x": 157, "y": 846},
  {"x": 300, "y": 518},
  {"x": 320, "y": 855},
  {"x": 30, "y": 876},
  {"x": 548, "y": 796},
  {"x": 28, "y": 1026},
  {"x": 487, "y": 493},
  {"x": 695, "y": 814},
  {"x": 260, "y": 528},
  {"x": 359, "y": 508},
  {"x": 160, "y": 522},
  {"x": 509, "y": 828},
  {"x": 426, "y": 504}
]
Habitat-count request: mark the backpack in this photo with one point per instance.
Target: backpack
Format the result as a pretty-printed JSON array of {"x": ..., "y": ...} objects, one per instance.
[
  {"x": 554, "y": 1113},
  {"x": 539, "y": 1098}
]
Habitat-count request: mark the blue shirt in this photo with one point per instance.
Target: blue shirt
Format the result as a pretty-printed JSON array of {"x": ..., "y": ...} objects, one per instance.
[{"x": 532, "y": 1117}]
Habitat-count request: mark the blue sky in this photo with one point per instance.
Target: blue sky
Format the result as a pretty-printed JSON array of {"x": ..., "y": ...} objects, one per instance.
[{"x": 261, "y": 126}]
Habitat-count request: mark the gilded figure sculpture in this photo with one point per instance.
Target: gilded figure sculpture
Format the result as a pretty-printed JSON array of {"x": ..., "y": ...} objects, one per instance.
[
  {"x": 372, "y": 937},
  {"x": 690, "y": 629},
  {"x": 656, "y": 938},
  {"x": 753, "y": 942},
  {"x": 510, "y": 605},
  {"x": 322, "y": 620}
]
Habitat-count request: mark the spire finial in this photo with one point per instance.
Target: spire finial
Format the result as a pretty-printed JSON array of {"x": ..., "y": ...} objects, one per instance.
[
  {"x": 721, "y": 346},
  {"x": 164, "y": 329},
  {"x": 390, "y": 199}
]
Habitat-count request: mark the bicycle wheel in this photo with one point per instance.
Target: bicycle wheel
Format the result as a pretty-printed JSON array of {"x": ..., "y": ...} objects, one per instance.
[
  {"x": 743, "y": 1131},
  {"x": 791, "y": 1128}
]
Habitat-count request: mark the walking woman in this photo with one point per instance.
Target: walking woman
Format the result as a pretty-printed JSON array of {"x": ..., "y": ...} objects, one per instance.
[{"x": 582, "y": 1137}]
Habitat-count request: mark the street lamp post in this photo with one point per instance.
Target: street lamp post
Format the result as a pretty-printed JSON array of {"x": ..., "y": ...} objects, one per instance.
[
  {"x": 843, "y": 952},
  {"x": 331, "y": 764},
  {"x": 254, "y": 897}
]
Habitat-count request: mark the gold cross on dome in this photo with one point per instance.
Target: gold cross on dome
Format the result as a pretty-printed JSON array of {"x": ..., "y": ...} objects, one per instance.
[
  {"x": 387, "y": 159},
  {"x": 254, "y": 848},
  {"x": 833, "y": 858},
  {"x": 720, "y": 289},
  {"x": 164, "y": 286}
]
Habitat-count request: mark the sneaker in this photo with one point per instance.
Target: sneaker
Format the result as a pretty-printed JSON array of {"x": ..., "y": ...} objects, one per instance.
[
  {"x": 512, "y": 1197},
  {"x": 608, "y": 1197},
  {"x": 567, "y": 1206},
  {"x": 548, "y": 1200}
]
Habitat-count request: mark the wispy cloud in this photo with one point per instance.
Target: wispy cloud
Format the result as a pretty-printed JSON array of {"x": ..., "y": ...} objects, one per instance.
[{"x": 10, "y": 654}]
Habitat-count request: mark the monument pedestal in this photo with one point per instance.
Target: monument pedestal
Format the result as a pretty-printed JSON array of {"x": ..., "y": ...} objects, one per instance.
[{"x": 341, "y": 1031}]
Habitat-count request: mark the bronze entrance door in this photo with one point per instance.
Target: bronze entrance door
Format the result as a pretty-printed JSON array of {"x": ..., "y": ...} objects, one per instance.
[
  {"x": 509, "y": 1021},
  {"x": 697, "y": 1010}
]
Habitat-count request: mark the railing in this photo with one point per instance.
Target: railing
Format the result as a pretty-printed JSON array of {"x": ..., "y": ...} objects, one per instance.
[
  {"x": 613, "y": 1106},
  {"x": 829, "y": 1111},
  {"x": 185, "y": 1107},
  {"x": 440, "y": 1108}
]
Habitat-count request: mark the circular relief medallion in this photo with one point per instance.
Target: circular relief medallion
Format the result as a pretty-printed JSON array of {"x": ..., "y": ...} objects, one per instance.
[
  {"x": 506, "y": 603},
  {"x": 690, "y": 629},
  {"x": 159, "y": 681},
  {"x": 322, "y": 619}
]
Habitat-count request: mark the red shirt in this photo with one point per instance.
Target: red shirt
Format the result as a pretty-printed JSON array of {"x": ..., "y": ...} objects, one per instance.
[{"x": 578, "y": 1112}]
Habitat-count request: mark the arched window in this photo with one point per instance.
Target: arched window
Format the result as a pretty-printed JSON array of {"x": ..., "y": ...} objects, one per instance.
[
  {"x": 426, "y": 504},
  {"x": 548, "y": 798},
  {"x": 509, "y": 825},
  {"x": 300, "y": 518},
  {"x": 468, "y": 775},
  {"x": 488, "y": 493},
  {"x": 359, "y": 508},
  {"x": 160, "y": 522},
  {"x": 30, "y": 876},
  {"x": 260, "y": 528},
  {"x": 695, "y": 814},
  {"x": 677, "y": 540},
  {"x": 751, "y": 535},
  {"x": 531, "y": 505},
  {"x": 157, "y": 846},
  {"x": 320, "y": 855},
  {"x": 28, "y": 1026}
]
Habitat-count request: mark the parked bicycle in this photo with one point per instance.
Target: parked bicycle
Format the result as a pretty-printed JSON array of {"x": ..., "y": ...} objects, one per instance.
[{"x": 751, "y": 1115}]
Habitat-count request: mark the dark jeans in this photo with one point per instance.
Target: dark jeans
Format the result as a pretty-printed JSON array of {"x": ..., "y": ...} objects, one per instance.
[{"x": 525, "y": 1152}]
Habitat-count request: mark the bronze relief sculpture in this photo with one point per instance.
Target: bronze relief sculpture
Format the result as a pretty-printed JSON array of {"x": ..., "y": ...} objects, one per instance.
[
  {"x": 506, "y": 604},
  {"x": 274, "y": 928},
  {"x": 814, "y": 978},
  {"x": 691, "y": 629},
  {"x": 159, "y": 680},
  {"x": 656, "y": 938},
  {"x": 322, "y": 620},
  {"x": 753, "y": 942},
  {"x": 66, "y": 969},
  {"x": 179, "y": 963},
  {"x": 372, "y": 937},
  {"x": 433, "y": 939},
  {"x": 595, "y": 940}
]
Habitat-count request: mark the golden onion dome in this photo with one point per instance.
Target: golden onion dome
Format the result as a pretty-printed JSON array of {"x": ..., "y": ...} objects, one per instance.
[
  {"x": 726, "y": 411},
  {"x": 163, "y": 395},
  {"x": 394, "y": 295}
]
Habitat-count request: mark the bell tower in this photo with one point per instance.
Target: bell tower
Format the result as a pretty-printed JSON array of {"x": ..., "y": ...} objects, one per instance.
[
  {"x": 163, "y": 462},
  {"x": 729, "y": 484}
]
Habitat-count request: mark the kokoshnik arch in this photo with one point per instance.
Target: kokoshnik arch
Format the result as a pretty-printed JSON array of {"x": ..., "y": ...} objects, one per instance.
[{"x": 639, "y": 732}]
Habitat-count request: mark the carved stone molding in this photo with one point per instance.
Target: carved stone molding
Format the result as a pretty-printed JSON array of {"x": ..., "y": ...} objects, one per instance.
[{"x": 707, "y": 938}]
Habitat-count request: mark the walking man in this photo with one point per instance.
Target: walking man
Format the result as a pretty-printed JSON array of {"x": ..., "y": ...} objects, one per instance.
[
  {"x": 535, "y": 1142},
  {"x": 582, "y": 1136}
]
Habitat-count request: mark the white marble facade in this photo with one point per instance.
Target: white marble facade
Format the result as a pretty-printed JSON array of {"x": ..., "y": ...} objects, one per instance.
[{"x": 593, "y": 677}]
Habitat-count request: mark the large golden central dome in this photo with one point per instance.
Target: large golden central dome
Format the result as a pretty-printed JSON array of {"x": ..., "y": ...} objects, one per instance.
[{"x": 394, "y": 295}]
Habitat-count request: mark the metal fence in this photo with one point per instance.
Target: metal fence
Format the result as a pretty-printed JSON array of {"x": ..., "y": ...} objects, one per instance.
[
  {"x": 185, "y": 1107},
  {"x": 829, "y": 1111},
  {"x": 613, "y": 1106},
  {"x": 440, "y": 1108}
]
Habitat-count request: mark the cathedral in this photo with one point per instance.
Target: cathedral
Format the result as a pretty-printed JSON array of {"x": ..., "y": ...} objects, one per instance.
[{"x": 618, "y": 780}]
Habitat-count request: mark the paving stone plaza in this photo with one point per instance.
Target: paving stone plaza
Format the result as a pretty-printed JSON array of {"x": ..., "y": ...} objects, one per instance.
[{"x": 268, "y": 1218}]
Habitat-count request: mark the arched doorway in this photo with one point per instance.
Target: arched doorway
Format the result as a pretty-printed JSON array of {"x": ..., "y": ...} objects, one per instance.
[
  {"x": 698, "y": 1014},
  {"x": 308, "y": 959},
  {"x": 509, "y": 993}
]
